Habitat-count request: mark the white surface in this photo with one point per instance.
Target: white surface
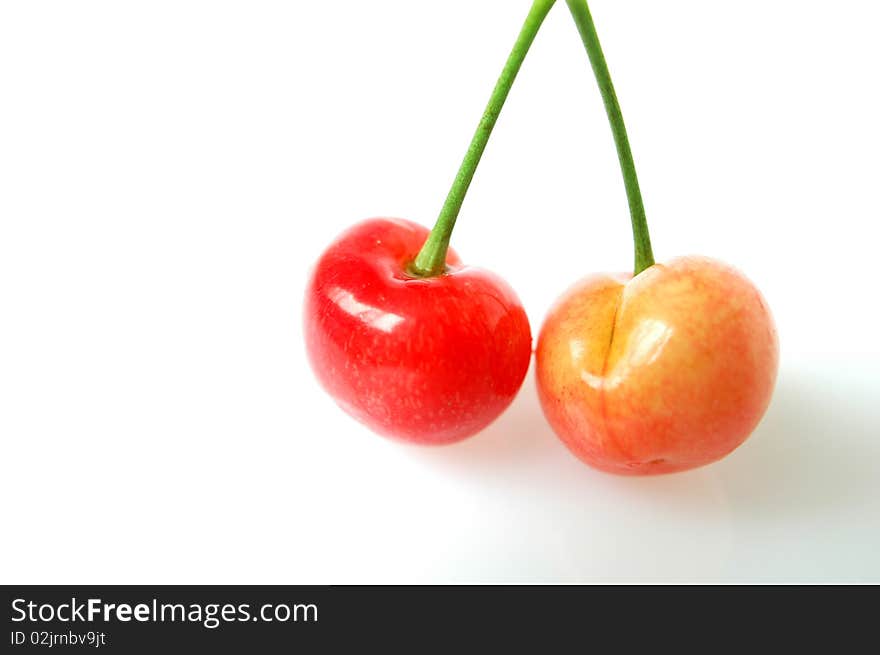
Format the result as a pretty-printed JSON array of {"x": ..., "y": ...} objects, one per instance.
[{"x": 170, "y": 170}]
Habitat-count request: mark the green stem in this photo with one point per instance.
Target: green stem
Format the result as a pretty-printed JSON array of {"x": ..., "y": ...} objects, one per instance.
[
  {"x": 644, "y": 256},
  {"x": 431, "y": 259}
]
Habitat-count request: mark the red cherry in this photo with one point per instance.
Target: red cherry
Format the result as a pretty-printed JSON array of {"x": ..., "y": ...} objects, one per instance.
[{"x": 429, "y": 360}]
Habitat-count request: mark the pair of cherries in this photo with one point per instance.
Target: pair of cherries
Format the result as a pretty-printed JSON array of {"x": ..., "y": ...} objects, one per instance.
[{"x": 660, "y": 371}]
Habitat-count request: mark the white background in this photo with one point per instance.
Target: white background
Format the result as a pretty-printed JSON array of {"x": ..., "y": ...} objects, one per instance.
[{"x": 169, "y": 170}]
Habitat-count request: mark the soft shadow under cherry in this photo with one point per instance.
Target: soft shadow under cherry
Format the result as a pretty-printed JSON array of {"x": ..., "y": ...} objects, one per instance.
[{"x": 816, "y": 449}]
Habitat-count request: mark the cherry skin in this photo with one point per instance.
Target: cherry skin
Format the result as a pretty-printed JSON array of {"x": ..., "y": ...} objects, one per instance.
[
  {"x": 429, "y": 360},
  {"x": 664, "y": 372}
]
